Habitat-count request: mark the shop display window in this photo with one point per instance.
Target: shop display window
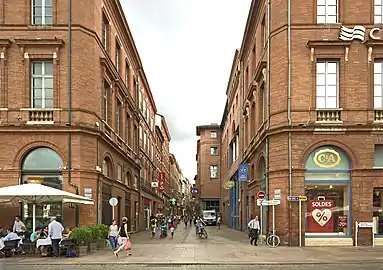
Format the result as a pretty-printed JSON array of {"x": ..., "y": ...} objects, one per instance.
[
  {"x": 377, "y": 210},
  {"x": 327, "y": 209}
]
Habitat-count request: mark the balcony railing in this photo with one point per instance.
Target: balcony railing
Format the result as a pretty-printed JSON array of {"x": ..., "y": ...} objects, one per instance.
[
  {"x": 329, "y": 115},
  {"x": 378, "y": 115},
  {"x": 40, "y": 116}
]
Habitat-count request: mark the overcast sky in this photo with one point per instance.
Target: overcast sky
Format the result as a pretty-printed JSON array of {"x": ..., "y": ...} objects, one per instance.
[{"x": 187, "y": 48}]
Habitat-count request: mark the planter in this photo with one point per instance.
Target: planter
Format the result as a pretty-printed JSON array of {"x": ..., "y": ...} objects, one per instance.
[
  {"x": 93, "y": 246},
  {"x": 100, "y": 244},
  {"x": 82, "y": 250}
]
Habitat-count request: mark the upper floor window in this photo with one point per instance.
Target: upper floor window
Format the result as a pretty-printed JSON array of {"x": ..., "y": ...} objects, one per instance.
[
  {"x": 127, "y": 74},
  {"x": 213, "y": 171},
  {"x": 119, "y": 117},
  {"x": 213, "y": 151},
  {"x": 105, "y": 31},
  {"x": 119, "y": 172},
  {"x": 378, "y": 11},
  {"x": 106, "y": 167},
  {"x": 41, "y": 12},
  {"x": 378, "y": 84},
  {"x": 327, "y": 11},
  {"x": 327, "y": 85},
  {"x": 213, "y": 134},
  {"x": 42, "y": 84},
  {"x": 140, "y": 100},
  {"x": 117, "y": 56},
  {"x": 106, "y": 101}
]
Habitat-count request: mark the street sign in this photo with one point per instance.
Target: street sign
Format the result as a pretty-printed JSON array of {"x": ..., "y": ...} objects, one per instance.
[
  {"x": 259, "y": 202},
  {"x": 173, "y": 200},
  {"x": 154, "y": 184},
  {"x": 277, "y": 194},
  {"x": 113, "y": 201},
  {"x": 261, "y": 195},
  {"x": 194, "y": 190},
  {"x": 297, "y": 198},
  {"x": 270, "y": 202},
  {"x": 229, "y": 184},
  {"x": 365, "y": 224},
  {"x": 243, "y": 172}
]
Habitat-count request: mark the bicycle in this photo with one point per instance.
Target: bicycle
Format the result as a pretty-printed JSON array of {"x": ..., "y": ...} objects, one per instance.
[{"x": 273, "y": 239}]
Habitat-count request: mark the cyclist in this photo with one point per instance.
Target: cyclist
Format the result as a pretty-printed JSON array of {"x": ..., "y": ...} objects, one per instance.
[{"x": 254, "y": 230}]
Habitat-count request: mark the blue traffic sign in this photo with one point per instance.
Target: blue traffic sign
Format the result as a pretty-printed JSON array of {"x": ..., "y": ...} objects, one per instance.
[
  {"x": 293, "y": 198},
  {"x": 243, "y": 172}
]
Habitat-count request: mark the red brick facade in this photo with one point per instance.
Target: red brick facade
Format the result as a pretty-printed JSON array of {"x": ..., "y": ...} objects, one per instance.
[
  {"x": 106, "y": 153},
  {"x": 265, "y": 120}
]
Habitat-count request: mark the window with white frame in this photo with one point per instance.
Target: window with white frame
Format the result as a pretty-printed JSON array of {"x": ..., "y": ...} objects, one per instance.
[
  {"x": 106, "y": 100},
  {"x": 213, "y": 151},
  {"x": 41, "y": 12},
  {"x": 42, "y": 84},
  {"x": 378, "y": 84},
  {"x": 327, "y": 11},
  {"x": 213, "y": 171},
  {"x": 119, "y": 172},
  {"x": 213, "y": 134},
  {"x": 105, "y": 31},
  {"x": 327, "y": 85},
  {"x": 378, "y": 11}
]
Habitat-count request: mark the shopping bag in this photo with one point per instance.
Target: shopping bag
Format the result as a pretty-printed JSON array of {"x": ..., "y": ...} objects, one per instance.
[{"x": 128, "y": 245}]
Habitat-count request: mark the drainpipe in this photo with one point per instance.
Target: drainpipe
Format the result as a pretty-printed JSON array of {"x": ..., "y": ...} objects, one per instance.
[
  {"x": 268, "y": 99},
  {"x": 246, "y": 201},
  {"x": 98, "y": 185},
  {"x": 69, "y": 122},
  {"x": 289, "y": 112}
]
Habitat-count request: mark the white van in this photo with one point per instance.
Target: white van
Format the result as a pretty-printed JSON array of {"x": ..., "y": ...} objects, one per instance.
[{"x": 210, "y": 217}]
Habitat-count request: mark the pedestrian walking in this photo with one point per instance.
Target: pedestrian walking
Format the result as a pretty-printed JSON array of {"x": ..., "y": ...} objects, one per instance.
[
  {"x": 172, "y": 228},
  {"x": 112, "y": 234},
  {"x": 254, "y": 230},
  {"x": 125, "y": 239},
  {"x": 186, "y": 219},
  {"x": 219, "y": 220}
]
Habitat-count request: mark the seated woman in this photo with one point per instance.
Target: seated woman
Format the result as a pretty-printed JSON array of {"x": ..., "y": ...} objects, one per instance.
[
  {"x": 44, "y": 233},
  {"x": 2, "y": 232},
  {"x": 67, "y": 234}
]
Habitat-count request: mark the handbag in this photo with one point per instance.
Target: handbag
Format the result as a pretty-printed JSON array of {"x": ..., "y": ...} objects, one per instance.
[{"x": 128, "y": 245}]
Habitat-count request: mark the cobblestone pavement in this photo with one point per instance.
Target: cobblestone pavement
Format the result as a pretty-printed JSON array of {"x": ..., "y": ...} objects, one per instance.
[
  {"x": 222, "y": 247},
  {"x": 198, "y": 267}
]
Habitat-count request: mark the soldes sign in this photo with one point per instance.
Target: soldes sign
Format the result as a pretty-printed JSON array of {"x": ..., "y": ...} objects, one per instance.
[{"x": 320, "y": 216}]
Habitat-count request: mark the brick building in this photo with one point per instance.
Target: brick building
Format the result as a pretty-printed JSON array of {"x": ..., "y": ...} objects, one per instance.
[
  {"x": 74, "y": 116},
  {"x": 208, "y": 168},
  {"x": 311, "y": 99}
]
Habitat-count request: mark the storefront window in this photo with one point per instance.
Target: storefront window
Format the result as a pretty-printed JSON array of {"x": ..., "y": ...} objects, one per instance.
[
  {"x": 327, "y": 209},
  {"x": 377, "y": 209},
  {"x": 327, "y": 187}
]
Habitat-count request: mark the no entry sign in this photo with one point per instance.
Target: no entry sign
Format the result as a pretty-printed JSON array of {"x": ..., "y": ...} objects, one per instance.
[{"x": 260, "y": 195}]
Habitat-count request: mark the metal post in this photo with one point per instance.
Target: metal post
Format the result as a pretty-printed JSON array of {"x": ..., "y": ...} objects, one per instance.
[
  {"x": 113, "y": 212},
  {"x": 356, "y": 233},
  {"x": 34, "y": 215},
  {"x": 273, "y": 223},
  {"x": 300, "y": 223},
  {"x": 260, "y": 223},
  {"x": 373, "y": 235}
]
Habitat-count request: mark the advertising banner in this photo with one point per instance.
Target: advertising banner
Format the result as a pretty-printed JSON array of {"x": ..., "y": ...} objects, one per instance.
[
  {"x": 320, "y": 219},
  {"x": 161, "y": 181}
]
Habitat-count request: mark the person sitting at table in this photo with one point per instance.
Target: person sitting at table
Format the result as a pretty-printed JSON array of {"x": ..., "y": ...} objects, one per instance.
[
  {"x": 44, "y": 233},
  {"x": 10, "y": 235},
  {"x": 67, "y": 234},
  {"x": 36, "y": 234},
  {"x": 2, "y": 232}
]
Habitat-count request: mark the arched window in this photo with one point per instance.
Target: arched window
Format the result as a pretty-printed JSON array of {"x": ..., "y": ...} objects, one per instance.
[
  {"x": 43, "y": 163},
  {"x": 128, "y": 179},
  {"x": 106, "y": 167}
]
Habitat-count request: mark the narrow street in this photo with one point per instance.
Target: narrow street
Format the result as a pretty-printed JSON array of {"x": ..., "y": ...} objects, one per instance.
[{"x": 224, "y": 249}]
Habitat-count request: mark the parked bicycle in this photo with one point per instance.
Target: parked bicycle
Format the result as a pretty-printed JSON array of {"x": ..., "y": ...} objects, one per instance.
[{"x": 273, "y": 239}]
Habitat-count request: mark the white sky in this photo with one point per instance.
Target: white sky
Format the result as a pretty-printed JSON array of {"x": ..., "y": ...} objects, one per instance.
[{"x": 187, "y": 48}]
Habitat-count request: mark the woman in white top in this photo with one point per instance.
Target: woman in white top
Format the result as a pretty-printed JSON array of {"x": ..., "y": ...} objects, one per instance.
[{"x": 113, "y": 232}]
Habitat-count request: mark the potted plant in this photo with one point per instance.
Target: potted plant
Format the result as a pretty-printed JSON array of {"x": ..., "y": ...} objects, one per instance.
[
  {"x": 81, "y": 237},
  {"x": 95, "y": 236},
  {"x": 104, "y": 230}
]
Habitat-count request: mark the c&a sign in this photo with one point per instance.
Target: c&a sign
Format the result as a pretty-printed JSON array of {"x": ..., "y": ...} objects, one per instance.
[
  {"x": 358, "y": 32},
  {"x": 327, "y": 158}
]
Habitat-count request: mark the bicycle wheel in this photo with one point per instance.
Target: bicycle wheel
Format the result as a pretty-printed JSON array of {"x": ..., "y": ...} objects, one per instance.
[{"x": 273, "y": 240}]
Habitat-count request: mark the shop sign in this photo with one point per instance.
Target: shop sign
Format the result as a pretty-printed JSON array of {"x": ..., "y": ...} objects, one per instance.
[
  {"x": 358, "y": 32},
  {"x": 321, "y": 218},
  {"x": 228, "y": 184},
  {"x": 327, "y": 158},
  {"x": 342, "y": 221}
]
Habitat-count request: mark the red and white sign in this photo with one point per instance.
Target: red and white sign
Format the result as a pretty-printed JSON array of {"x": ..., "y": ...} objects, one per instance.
[
  {"x": 161, "y": 181},
  {"x": 260, "y": 195},
  {"x": 342, "y": 221},
  {"x": 320, "y": 219}
]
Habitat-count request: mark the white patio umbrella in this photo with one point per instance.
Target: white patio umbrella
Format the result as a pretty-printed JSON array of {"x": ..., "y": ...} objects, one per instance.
[{"x": 40, "y": 194}]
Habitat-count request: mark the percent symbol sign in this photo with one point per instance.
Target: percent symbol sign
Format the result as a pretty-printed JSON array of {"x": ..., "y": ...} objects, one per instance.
[{"x": 322, "y": 216}]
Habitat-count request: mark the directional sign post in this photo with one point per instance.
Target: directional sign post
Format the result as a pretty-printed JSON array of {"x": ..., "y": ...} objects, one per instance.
[
  {"x": 299, "y": 199},
  {"x": 243, "y": 172},
  {"x": 358, "y": 225}
]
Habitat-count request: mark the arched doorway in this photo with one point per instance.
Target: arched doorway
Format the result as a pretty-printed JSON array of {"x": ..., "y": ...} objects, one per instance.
[
  {"x": 328, "y": 189},
  {"x": 43, "y": 163}
]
